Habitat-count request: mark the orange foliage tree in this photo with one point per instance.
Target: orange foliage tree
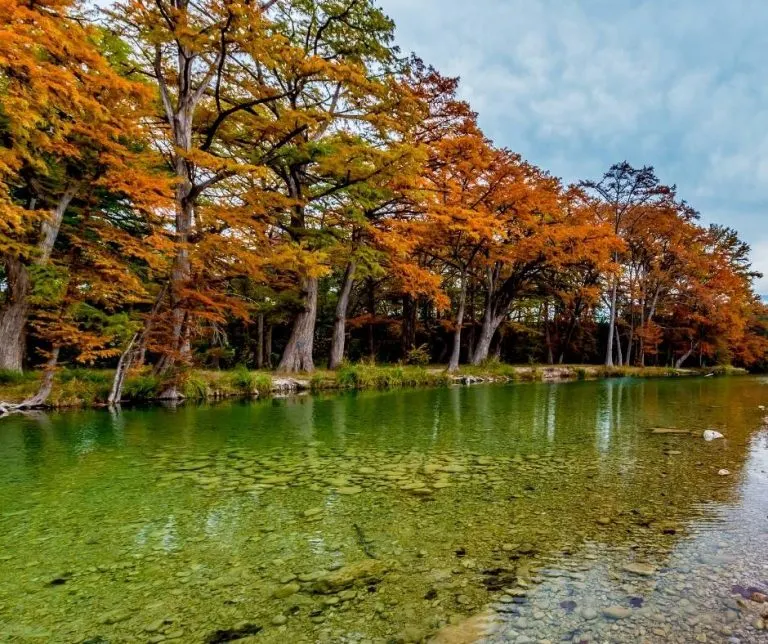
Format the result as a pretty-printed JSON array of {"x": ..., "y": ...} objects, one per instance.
[
  {"x": 194, "y": 168},
  {"x": 71, "y": 127}
]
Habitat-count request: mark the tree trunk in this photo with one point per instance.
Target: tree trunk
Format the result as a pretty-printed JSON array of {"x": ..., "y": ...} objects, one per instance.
[
  {"x": 260, "y": 341},
  {"x": 487, "y": 330},
  {"x": 46, "y": 386},
  {"x": 548, "y": 334},
  {"x": 371, "y": 290},
  {"x": 181, "y": 273},
  {"x": 497, "y": 349},
  {"x": 14, "y": 313},
  {"x": 410, "y": 311},
  {"x": 123, "y": 365},
  {"x": 453, "y": 364},
  {"x": 298, "y": 352},
  {"x": 647, "y": 321},
  {"x": 611, "y": 323},
  {"x": 340, "y": 321},
  {"x": 135, "y": 351},
  {"x": 681, "y": 360},
  {"x": 13, "y": 316},
  {"x": 630, "y": 341},
  {"x": 268, "y": 347},
  {"x": 472, "y": 324}
]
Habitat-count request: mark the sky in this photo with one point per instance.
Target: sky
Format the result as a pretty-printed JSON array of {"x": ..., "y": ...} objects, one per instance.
[{"x": 577, "y": 85}]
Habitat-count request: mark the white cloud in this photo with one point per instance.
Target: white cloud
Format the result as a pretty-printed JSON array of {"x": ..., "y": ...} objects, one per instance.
[{"x": 576, "y": 86}]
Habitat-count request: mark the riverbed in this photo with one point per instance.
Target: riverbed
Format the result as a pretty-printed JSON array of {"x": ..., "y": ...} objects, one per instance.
[{"x": 583, "y": 511}]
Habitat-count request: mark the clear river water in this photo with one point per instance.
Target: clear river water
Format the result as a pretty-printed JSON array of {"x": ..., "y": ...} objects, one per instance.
[{"x": 583, "y": 512}]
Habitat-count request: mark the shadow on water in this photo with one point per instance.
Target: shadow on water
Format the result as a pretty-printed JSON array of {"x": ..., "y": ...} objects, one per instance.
[{"x": 553, "y": 510}]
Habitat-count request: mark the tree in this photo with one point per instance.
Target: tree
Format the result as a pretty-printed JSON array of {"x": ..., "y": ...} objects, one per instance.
[
  {"x": 460, "y": 186},
  {"x": 194, "y": 54},
  {"x": 622, "y": 196},
  {"x": 337, "y": 127},
  {"x": 69, "y": 123},
  {"x": 538, "y": 233}
]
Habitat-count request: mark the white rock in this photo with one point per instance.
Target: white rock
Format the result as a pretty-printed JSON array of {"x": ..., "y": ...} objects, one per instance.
[
  {"x": 711, "y": 434},
  {"x": 724, "y": 472}
]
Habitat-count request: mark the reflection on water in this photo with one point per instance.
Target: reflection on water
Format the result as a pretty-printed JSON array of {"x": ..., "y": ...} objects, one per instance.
[{"x": 516, "y": 513}]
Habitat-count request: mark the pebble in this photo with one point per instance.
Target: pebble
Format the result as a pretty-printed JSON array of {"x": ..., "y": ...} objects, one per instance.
[
  {"x": 349, "y": 491},
  {"x": 287, "y": 590},
  {"x": 636, "y": 568},
  {"x": 115, "y": 617},
  {"x": 617, "y": 612}
]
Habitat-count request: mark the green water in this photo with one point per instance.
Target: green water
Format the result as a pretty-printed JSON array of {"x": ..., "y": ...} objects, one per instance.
[{"x": 387, "y": 516}]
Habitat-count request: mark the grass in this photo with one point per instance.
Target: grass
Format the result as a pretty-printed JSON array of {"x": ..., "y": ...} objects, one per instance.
[
  {"x": 365, "y": 376},
  {"x": 80, "y": 387}
]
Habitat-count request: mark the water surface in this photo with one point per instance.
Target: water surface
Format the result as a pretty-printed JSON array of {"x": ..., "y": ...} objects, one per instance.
[{"x": 551, "y": 511}]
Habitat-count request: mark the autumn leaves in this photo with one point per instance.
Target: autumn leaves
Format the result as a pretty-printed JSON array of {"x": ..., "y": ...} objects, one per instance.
[{"x": 177, "y": 176}]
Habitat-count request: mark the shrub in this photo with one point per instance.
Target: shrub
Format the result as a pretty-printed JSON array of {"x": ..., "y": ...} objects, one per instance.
[
  {"x": 348, "y": 376},
  {"x": 262, "y": 383},
  {"x": 142, "y": 387},
  {"x": 418, "y": 356},
  {"x": 243, "y": 379},
  {"x": 195, "y": 388}
]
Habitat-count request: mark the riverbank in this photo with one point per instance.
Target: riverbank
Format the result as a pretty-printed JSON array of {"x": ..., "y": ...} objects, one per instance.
[{"x": 90, "y": 387}]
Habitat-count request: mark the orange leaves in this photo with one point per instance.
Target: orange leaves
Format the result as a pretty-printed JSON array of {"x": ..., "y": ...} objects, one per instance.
[{"x": 246, "y": 156}]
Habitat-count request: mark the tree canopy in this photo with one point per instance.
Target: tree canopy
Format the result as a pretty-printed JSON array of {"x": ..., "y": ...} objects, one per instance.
[{"x": 229, "y": 183}]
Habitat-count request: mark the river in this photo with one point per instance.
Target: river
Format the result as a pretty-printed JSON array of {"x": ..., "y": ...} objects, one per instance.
[{"x": 584, "y": 511}]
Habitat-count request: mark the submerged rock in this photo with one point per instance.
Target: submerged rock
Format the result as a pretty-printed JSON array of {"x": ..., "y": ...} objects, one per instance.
[
  {"x": 366, "y": 571},
  {"x": 349, "y": 490},
  {"x": 286, "y": 590},
  {"x": 115, "y": 616},
  {"x": 636, "y": 568},
  {"x": 410, "y": 635},
  {"x": 616, "y": 612},
  {"x": 466, "y": 632},
  {"x": 237, "y": 632}
]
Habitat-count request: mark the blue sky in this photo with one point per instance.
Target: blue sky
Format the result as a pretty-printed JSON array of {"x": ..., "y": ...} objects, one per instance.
[{"x": 576, "y": 85}]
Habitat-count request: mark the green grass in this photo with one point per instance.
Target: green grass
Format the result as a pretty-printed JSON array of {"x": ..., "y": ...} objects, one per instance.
[
  {"x": 90, "y": 387},
  {"x": 10, "y": 378},
  {"x": 364, "y": 376}
]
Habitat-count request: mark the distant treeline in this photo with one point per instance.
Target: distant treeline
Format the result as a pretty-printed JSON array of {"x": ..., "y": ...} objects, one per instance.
[{"x": 274, "y": 184}]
